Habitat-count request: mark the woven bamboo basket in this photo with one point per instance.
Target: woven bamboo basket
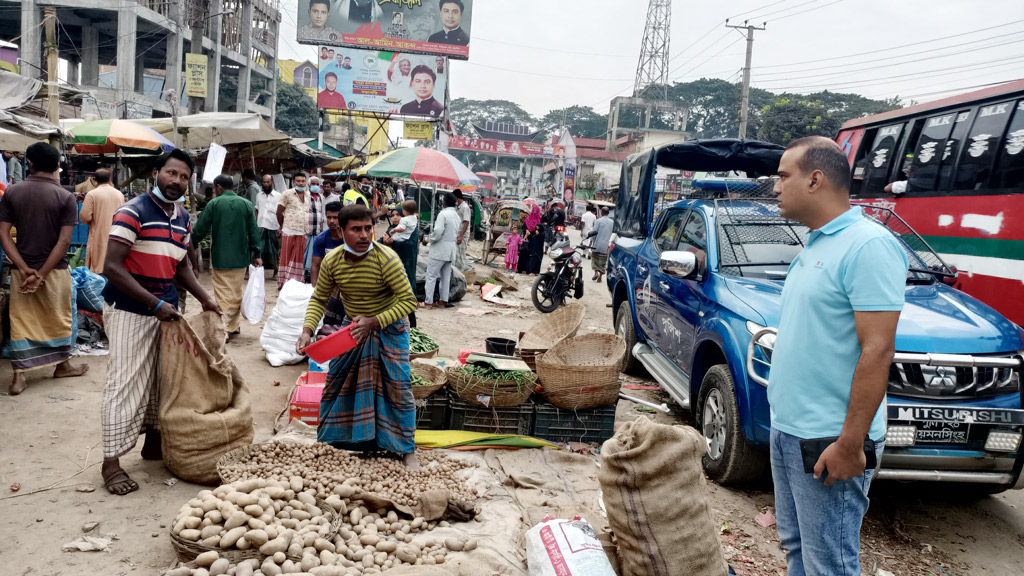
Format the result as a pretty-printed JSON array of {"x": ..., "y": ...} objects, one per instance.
[
  {"x": 430, "y": 373},
  {"x": 226, "y": 463},
  {"x": 582, "y": 372},
  {"x": 550, "y": 330},
  {"x": 503, "y": 393},
  {"x": 187, "y": 551},
  {"x": 428, "y": 354}
]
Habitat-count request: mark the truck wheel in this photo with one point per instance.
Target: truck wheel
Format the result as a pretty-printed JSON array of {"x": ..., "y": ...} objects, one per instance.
[
  {"x": 545, "y": 283},
  {"x": 730, "y": 459},
  {"x": 624, "y": 330}
]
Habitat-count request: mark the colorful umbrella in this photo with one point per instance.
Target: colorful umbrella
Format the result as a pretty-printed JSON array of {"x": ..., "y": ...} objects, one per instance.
[
  {"x": 109, "y": 136},
  {"x": 423, "y": 165}
]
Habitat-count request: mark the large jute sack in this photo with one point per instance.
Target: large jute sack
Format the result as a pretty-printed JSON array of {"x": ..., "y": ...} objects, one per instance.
[
  {"x": 205, "y": 409},
  {"x": 656, "y": 497}
]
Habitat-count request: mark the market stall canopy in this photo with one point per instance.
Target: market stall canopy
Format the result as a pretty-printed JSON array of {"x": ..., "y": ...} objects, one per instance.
[
  {"x": 16, "y": 92},
  {"x": 423, "y": 165},
  {"x": 10, "y": 140},
  {"x": 197, "y": 131},
  {"x": 111, "y": 136}
]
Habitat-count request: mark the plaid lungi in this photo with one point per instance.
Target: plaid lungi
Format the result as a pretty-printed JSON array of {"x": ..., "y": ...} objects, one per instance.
[
  {"x": 42, "y": 322},
  {"x": 598, "y": 262},
  {"x": 367, "y": 403},
  {"x": 270, "y": 247},
  {"x": 290, "y": 266},
  {"x": 131, "y": 395}
]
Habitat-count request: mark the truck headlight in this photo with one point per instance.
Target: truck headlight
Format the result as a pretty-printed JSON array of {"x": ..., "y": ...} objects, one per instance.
[
  {"x": 897, "y": 436},
  {"x": 1002, "y": 441}
]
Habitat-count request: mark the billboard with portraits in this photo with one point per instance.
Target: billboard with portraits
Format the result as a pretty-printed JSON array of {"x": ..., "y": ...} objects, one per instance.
[
  {"x": 437, "y": 27},
  {"x": 382, "y": 82}
]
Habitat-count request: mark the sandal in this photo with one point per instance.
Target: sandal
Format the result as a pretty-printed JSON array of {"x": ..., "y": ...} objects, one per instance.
[{"x": 119, "y": 483}]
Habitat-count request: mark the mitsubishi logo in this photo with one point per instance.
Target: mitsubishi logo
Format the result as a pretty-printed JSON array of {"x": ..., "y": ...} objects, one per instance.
[{"x": 940, "y": 382}]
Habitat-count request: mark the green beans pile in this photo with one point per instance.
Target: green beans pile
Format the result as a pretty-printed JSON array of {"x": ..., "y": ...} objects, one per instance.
[
  {"x": 419, "y": 342},
  {"x": 521, "y": 378},
  {"x": 418, "y": 380}
]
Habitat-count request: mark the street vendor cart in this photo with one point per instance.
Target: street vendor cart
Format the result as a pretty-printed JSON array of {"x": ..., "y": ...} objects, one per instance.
[{"x": 506, "y": 217}]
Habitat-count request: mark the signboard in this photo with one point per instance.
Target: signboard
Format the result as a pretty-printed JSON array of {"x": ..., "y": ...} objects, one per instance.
[
  {"x": 383, "y": 82},
  {"x": 419, "y": 130},
  {"x": 503, "y": 147},
  {"x": 195, "y": 75},
  {"x": 102, "y": 109},
  {"x": 426, "y": 27}
]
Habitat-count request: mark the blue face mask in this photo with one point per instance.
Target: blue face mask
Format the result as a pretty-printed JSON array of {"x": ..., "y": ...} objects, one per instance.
[
  {"x": 354, "y": 253},
  {"x": 300, "y": 188},
  {"x": 314, "y": 188},
  {"x": 162, "y": 198}
]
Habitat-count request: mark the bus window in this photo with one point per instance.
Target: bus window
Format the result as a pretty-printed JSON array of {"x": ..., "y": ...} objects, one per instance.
[
  {"x": 924, "y": 171},
  {"x": 975, "y": 167},
  {"x": 1010, "y": 165},
  {"x": 952, "y": 149},
  {"x": 879, "y": 159}
]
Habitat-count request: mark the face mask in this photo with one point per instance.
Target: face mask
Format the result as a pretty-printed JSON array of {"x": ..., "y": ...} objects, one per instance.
[
  {"x": 300, "y": 188},
  {"x": 160, "y": 196},
  {"x": 354, "y": 253},
  {"x": 314, "y": 188}
]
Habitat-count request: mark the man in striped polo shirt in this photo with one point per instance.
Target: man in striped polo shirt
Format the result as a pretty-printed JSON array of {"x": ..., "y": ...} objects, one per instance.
[
  {"x": 146, "y": 253},
  {"x": 367, "y": 403}
]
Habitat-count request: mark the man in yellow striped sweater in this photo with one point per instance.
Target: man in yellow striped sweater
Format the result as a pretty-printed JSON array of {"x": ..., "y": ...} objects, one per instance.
[{"x": 367, "y": 403}]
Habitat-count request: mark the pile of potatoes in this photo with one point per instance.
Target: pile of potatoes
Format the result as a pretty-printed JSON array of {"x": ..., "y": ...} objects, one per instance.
[
  {"x": 282, "y": 522},
  {"x": 322, "y": 468}
]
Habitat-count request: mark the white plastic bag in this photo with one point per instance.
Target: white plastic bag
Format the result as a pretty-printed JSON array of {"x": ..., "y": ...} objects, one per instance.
[
  {"x": 254, "y": 300},
  {"x": 558, "y": 547},
  {"x": 284, "y": 326}
]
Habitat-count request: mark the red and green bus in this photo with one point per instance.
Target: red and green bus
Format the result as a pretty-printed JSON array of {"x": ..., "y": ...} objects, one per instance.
[{"x": 960, "y": 165}]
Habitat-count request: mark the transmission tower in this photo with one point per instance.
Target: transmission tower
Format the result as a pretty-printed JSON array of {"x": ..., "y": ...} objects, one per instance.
[{"x": 653, "y": 66}]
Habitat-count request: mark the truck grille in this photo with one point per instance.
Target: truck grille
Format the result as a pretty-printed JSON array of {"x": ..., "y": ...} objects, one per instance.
[{"x": 951, "y": 382}]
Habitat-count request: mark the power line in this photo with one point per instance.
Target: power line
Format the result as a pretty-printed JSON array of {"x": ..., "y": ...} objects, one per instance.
[
  {"x": 806, "y": 11},
  {"x": 756, "y": 9},
  {"x": 727, "y": 46},
  {"x": 962, "y": 88},
  {"x": 786, "y": 9},
  {"x": 942, "y": 38}
]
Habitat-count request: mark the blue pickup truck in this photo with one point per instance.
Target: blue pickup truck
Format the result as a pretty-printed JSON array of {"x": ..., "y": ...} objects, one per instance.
[{"x": 696, "y": 287}]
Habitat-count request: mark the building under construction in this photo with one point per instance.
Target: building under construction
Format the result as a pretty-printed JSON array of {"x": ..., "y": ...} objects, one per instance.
[{"x": 128, "y": 55}]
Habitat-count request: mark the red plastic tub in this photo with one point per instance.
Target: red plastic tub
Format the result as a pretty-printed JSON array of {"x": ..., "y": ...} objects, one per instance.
[
  {"x": 332, "y": 346},
  {"x": 304, "y": 404}
]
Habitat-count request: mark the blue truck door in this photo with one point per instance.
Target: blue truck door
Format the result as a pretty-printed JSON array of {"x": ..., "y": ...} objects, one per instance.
[
  {"x": 651, "y": 301},
  {"x": 683, "y": 299}
]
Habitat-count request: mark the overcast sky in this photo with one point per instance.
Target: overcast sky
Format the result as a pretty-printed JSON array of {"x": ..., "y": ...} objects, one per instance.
[{"x": 548, "y": 54}]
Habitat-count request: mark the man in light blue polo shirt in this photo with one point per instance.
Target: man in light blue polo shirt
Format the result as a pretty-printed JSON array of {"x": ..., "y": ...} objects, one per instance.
[{"x": 840, "y": 306}]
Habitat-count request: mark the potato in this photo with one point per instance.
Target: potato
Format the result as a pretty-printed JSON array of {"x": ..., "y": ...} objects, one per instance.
[
  {"x": 321, "y": 544},
  {"x": 210, "y": 531},
  {"x": 355, "y": 516},
  {"x": 454, "y": 544},
  {"x": 306, "y": 498},
  {"x": 235, "y": 520},
  {"x": 243, "y": 544},
  {"x": 212, "y": 541},
  {"x": 215, "y": 516},
  {"x": 369, "y": 539},
  {"x": 368, "y": 561},
  {"x": 275, "y": 492},
  {"x": 193, "y": 522},
  {"x": 220, "y": 567},
  {"x": 279, "y": 557},
  {"x": 470, "y": 545},
  {"x": 253, "y": 510},
  {"x": 183, "y": 571},
  {"x": 269, "y": 568},
  {"x": 256, "y": 524},
  {"x": 231, "y": 537},
  {"x": 417, "y": 523},
  {"x": 279, "y": 544},
  {"x": 387, "y": 546},
  {"x": 206, "y": 559},
  {"x": 257, "y": 537},
  {"x": 344, "y": 490},
  {"x": 309, "y": 562},
  {"x": 243, "y": 569},
  {"x": 189, "y": 534},
  {"x": 295, "y": 483},
  {"x": 200, "y": 572}
]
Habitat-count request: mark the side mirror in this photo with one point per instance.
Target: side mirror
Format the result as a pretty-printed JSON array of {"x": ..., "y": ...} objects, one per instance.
[
  {"x": 951, "y": 280},
  {"x": 681, "y": 264}
]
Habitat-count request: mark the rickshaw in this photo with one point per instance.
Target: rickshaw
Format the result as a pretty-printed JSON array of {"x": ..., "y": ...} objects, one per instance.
[{"x": 506, "y": 217}]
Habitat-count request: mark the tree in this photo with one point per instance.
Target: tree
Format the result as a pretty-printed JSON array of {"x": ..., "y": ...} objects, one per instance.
[
  {"x": 297, "y": 114},
  {"x": 582, "y": 121},
  {"x": 465, "y": 113},
  {"x": 789, "y": 118}
]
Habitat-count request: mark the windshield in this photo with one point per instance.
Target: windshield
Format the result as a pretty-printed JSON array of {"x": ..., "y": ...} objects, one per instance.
[{"x": 755, "y": 241}]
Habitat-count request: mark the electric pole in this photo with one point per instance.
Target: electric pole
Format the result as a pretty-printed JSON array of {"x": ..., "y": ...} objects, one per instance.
[
  {"x": 745, "y": 102},
  {"x": 52, "y": 90}
]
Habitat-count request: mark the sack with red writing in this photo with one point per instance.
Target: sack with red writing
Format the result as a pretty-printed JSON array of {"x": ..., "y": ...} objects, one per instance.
[{"x": 558, "y": 547}]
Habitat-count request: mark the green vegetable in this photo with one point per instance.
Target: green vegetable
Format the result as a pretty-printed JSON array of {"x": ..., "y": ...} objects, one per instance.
[
  {"x": 418, "y": 380},
  {"x": 521, "y": 378},
  {"x": 419, "y": 342}
]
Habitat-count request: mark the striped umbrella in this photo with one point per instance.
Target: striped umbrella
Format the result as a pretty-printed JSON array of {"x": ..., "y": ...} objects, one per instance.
[
  {"x": 423, "y": 165},
  {"x": 109, "y": 136}
]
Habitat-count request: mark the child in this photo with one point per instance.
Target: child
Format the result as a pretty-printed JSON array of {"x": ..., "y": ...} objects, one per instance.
[
  {"x": 512, "y": 251},
  {"x": 403, "y": 231}
]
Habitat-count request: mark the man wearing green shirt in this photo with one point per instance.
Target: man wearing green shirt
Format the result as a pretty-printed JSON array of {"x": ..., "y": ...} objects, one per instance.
[
  {"x": 251, "y": 187},
  {"x": 235, "y": 243}
]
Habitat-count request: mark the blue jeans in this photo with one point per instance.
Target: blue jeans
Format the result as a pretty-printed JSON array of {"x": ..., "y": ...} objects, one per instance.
[{"x": 819, "y": 527}]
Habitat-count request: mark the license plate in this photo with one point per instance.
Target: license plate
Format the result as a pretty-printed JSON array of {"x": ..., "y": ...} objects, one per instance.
[
  {"x": 954, "y": 426},
  {"x": 942, "y": 432}
]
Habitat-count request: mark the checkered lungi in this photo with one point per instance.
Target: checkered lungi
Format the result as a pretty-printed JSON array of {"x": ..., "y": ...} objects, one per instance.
[{"x": 131, "y": 395}]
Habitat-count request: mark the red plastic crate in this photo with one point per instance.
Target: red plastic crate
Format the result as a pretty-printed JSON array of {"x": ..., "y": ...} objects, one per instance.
[{"x": 304, "y": 404}]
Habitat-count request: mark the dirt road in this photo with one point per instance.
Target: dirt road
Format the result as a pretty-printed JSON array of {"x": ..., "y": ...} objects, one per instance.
[{"x": 51, "y": 447}]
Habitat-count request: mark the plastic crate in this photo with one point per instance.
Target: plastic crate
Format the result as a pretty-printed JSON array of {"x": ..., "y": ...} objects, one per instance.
[
  {"x": 304, "y": 405},
  {"x": 517, "y": 420},
  {"x": 592, "y": 426},
  {"x": 432, "y": 412}
]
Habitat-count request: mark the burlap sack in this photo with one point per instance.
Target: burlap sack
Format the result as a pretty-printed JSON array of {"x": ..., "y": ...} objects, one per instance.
[
  {"x": 205, "y": 409},
  {"x": 656, "y": 498}
]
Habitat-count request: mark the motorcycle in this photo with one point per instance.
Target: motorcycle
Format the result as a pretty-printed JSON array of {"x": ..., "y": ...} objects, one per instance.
[{"x": 563, "y": 278}]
